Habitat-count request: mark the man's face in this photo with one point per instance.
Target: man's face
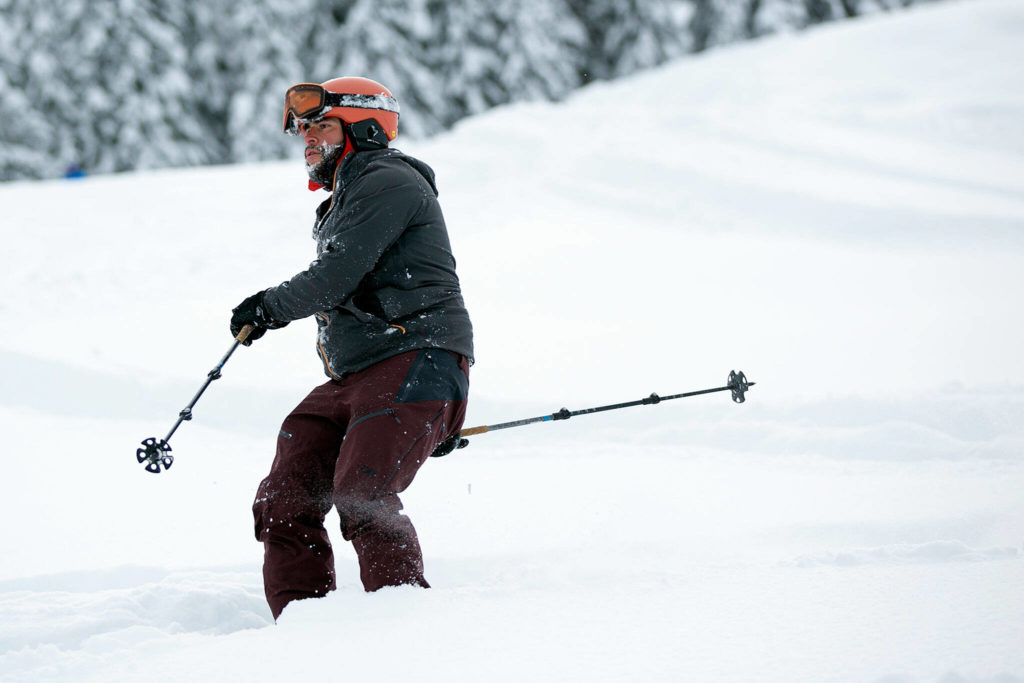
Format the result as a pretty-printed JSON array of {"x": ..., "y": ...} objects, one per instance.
[{"x": 319, "y": 135}]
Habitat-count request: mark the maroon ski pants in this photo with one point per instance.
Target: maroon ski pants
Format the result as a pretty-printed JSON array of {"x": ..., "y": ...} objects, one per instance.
[{"x": 355, "y": 444}]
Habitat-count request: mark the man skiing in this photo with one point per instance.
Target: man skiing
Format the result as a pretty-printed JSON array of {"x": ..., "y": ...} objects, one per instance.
[{"x": 394, "y": 338}]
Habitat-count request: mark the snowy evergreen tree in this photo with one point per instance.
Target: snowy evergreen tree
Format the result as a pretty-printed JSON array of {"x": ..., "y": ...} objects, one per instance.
[
  {"x": 113, "y": 85},
  {"x": 537, "y": 60},
  {"x": 623, "y": 36},
  {"x": 703, "y": 23},
  {"x": 20, "y": 144},
  {"x": 133, "y": 71},
  {"x": 717, "y": 22},
  {"x": 388, "y": 41},
  {"x": 491, "y": 54},
  {"x": 242, "y": 57},
  {"x": 263, "y": 61},
  {"x": 773, "y": 16}
]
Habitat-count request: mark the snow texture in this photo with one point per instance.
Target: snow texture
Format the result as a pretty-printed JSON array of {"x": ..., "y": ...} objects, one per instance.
[{"x": 838, "y": 213}]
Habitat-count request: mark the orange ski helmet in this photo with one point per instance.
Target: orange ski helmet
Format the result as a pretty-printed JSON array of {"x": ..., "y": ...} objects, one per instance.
[{"x": 352, "y": 99}]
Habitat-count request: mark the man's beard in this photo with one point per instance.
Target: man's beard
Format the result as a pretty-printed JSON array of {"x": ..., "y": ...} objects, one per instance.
[{"x": 322, "y": 172}]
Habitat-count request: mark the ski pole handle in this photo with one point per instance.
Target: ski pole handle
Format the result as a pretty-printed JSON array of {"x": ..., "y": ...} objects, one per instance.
[
  {"x": 474, "y": 430},
  {"x": 244, "y": 333}
]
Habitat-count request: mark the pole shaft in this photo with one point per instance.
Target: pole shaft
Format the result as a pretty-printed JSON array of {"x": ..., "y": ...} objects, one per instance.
[
  {"x": 566, "y": 414},
  {"x": 186, "y": 412}
]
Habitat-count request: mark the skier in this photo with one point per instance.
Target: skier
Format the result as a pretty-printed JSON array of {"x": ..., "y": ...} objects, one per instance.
[{"x": 394, "y": 337}]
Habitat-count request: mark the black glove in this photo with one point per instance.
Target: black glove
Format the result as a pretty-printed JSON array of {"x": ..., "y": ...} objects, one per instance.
[
  {"x": 449, "y": 445},
  {"x": 252, "y": 312}
]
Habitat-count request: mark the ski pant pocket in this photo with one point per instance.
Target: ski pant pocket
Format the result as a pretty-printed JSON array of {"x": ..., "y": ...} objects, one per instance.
[{"x": 435, "y": 375}]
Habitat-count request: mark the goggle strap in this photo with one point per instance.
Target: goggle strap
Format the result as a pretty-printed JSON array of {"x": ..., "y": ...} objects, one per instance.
[{"x": 380, "y": 101}]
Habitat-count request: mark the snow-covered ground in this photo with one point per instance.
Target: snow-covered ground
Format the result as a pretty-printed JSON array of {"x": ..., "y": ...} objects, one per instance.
[{"x": 838, "y": 213}]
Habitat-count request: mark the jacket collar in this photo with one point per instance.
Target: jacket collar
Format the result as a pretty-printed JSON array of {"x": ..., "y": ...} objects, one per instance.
[{"x": 354, "y": 164}]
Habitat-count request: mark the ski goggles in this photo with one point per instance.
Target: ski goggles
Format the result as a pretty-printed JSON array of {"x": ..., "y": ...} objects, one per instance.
[{"x": 309, "y": 101}]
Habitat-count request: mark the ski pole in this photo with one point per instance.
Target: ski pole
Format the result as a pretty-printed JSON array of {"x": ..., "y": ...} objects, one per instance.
[
  {"x": 737, "y": 384},
  {"x": 157, "y": 452}
]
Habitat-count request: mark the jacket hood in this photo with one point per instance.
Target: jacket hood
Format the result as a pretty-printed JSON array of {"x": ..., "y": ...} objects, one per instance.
[
  {"x": 422, "y": 169},
  {"x": 351, "y": 165}
]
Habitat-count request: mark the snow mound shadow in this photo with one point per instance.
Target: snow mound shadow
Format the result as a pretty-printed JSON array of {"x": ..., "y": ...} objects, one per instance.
[
  {"x": 193, "y": 602},
  {"x": 907, "y": 553}
]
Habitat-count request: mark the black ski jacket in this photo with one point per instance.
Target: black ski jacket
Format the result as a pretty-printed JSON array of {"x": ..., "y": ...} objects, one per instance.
[{"x": 384, "y": 279}]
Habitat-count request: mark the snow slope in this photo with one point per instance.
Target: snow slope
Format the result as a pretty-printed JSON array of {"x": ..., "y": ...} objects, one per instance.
[{"x": 838, "y": 213}]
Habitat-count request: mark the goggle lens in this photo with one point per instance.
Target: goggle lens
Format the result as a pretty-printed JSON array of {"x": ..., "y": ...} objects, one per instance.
[{"x": 303, "y": 101}]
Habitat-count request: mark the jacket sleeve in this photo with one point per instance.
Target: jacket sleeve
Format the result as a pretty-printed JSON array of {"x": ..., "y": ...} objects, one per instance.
[{"x": 376, "y": 209}]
